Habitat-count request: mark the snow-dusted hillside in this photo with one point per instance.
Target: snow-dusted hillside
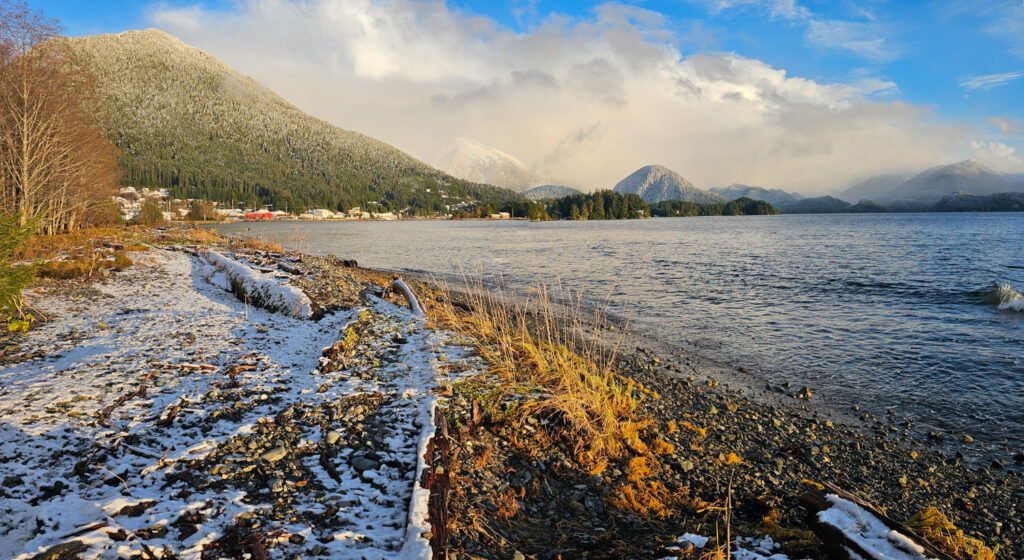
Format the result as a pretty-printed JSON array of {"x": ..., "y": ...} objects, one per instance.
[{"x": 655, "y": 183}]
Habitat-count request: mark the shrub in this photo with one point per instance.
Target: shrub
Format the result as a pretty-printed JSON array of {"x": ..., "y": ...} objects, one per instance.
[{"x": 14, "y": 278}]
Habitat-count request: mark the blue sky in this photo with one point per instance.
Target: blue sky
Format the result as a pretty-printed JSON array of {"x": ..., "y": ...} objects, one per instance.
[{"x": 954, "y": 65}]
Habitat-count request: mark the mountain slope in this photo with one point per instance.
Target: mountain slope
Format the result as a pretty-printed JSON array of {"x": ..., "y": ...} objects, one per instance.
[
  {"x": 187, "y": 122},
  {"x": 771, "y": 196},
  {"x": 655, "y": 183},
  {"x": 549, "y": 191},
  {"x": 878, "y": 187},
  {"x": 480, "y": 163},
  {"x": 933, "y": 184}
]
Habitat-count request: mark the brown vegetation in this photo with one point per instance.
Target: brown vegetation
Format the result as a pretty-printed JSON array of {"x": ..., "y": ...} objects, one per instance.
[{"x": 56, "y": 164}]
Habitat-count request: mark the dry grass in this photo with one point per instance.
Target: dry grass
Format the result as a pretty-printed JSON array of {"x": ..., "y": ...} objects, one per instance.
[
  {"x": 936, "y": 528},
  {"x": 557, "y": 355},
  {"x": 253, "y": 244},
  {"x": 81, "y": 242},
  {"x": 82, "y": 267}
]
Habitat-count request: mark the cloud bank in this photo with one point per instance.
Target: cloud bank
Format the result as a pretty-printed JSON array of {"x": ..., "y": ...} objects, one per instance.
[{"x": 582, "y": 101}]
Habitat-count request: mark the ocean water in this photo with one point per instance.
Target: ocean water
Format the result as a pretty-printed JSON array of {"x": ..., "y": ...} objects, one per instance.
[{"x": 909, "y": 316}]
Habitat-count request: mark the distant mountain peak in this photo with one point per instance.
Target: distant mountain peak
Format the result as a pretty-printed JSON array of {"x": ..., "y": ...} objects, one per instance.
[
  {"x": 655, "y": 183},
  {"x": 475, "y": 161}
]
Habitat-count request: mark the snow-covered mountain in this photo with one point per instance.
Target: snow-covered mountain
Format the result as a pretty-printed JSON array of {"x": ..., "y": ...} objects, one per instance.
[
  {"x": 655, "y": 183},
  {"x": 930, "y": 186},
  {"x": 474, "y": 161},
  {"x": 771, "y": 196}
]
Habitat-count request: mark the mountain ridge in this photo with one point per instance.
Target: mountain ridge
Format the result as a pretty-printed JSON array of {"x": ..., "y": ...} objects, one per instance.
[
  {"x": 771, "y": 196},
  {"x": 186, "y": 121}
]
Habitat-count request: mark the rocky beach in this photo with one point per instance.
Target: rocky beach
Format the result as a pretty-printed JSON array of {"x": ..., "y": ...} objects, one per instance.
[{"x": 227, "y": 400}]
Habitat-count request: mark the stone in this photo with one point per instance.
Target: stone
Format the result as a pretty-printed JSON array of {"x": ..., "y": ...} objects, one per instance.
[
  {"x": 275, "y": 454},
  {"x": 332, "y": 437},
  {"x": 363, "y": 464},
  {"x": 12, "y": 481},
  {"x": 967, "y": 439},
  {"x": 276, "y": 485}
]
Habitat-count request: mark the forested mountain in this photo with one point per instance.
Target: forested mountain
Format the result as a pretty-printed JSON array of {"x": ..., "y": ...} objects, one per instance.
[
  {"x": 185, "y": 121},
  {"x": 549, "y": 191}
]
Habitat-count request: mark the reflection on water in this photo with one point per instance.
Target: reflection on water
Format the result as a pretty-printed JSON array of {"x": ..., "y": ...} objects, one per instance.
[{"x": 885, "y": 311}]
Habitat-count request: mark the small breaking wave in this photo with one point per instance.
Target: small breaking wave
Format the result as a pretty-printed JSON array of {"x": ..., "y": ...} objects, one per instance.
[{"x": 1004, "y": 296}]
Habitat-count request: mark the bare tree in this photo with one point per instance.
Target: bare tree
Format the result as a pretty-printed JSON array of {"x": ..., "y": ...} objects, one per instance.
[{"x": 55, "y": 162}]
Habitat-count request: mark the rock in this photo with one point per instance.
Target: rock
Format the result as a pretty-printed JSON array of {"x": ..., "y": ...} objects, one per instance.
[
  {"x": 332, "y": 437},
  {"x": 1019, "y": 457},
  {"x": 967, "y": 439},
  {"x": 154, "y": 532},
  {"x": 276, "y": 485},
  {"x": 363, "y": 464},
  {"x": 518, "y": 556},
  {"x": 12, "y": 481},
  {"x": 687, "y": 466},
  {"x": 275, "y": 454}
]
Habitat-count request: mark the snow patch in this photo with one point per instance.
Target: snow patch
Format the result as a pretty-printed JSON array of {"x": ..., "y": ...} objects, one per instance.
[{"x": 868, "y": 532}]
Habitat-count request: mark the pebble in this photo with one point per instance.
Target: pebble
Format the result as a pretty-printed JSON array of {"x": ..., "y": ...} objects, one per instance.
[
  {"x": 275, "y": 454},
  {"x": 332, "y": 437}
]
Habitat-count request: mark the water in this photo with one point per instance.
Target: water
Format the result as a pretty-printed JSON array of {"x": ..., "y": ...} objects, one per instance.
[{"x": 897, "y": 313}]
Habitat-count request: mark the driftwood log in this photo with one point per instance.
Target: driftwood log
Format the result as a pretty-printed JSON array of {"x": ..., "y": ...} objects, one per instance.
[
  {"x": 835, "y": 540},
  {"x": 439, "y": 462}
]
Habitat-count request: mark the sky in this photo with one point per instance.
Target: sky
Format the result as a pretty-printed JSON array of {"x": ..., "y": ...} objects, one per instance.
[{"x": 806, "y": 96}]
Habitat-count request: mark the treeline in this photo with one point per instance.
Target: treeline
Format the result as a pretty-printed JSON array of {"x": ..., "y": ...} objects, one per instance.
[
  {"x": 57, "y": 167},
  {"x": 610, "y": 205},
  {"x": 740, "y": 207}
]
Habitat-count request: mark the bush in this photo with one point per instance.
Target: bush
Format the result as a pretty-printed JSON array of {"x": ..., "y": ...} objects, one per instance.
[{"x": 14, "y": 279}]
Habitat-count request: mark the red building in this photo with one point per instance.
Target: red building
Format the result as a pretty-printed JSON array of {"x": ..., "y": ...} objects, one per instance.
[{"x": 260, "y": 215}]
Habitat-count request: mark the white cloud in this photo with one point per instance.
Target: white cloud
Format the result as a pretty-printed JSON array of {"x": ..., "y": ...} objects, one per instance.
[
  {"x": 986, "y": 82},
  {"x": 998, "y": 156},
  {"x": 1008, "y": 127},
  {"x": 785, "y": 9},
  {"x": 865, "y": 39},
  {"x": 581, "y": 101}
]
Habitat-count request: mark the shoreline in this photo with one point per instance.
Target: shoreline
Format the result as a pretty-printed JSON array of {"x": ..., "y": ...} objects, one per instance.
[{"x": 739, "y": 417}]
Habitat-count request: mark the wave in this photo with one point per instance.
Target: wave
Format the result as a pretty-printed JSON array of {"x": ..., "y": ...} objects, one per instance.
[{"x": 1005, "y": 297}]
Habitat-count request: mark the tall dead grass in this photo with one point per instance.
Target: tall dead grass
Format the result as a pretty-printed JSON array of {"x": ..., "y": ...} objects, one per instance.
[{"x": 547, "y": 344}]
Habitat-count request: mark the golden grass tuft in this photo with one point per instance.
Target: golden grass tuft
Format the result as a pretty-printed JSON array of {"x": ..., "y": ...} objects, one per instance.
[
  {"x": 933, "y": 525},
  {"x": 556, "y": 353},
  {"x": 662, "y": 447}
]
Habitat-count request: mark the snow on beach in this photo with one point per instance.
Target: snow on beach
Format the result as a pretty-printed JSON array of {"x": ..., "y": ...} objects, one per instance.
[{"x": 166, "y": 411}]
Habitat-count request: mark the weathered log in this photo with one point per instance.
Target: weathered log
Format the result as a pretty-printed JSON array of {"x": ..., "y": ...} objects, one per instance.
[
  {"x": 439, "y": 483},
  {"x": 836, "y": 541},
  {"x": 63, "y": 551},
  {"x": 398, "y": 286}
]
